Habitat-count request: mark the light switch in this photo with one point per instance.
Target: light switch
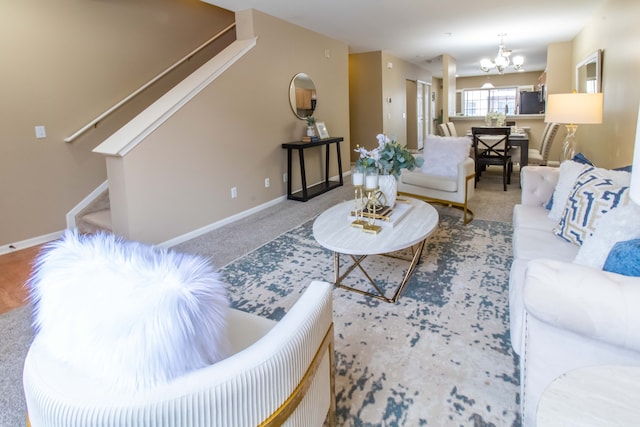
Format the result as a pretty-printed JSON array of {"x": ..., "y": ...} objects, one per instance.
[{"x": 41, "y": 132}]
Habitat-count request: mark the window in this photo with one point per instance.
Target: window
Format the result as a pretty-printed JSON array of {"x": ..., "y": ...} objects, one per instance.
[{"x": 479, "y": 102}]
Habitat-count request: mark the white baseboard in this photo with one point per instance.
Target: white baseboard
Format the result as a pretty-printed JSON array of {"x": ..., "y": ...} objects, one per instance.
[
  {"x": 167, "y": 244},
  {"x": 34, "y": 241},
  {"x": 207, "y": 228}
]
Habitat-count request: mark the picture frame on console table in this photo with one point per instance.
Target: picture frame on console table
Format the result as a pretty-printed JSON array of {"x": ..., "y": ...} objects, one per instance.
[{"x": 321, "y": 128}]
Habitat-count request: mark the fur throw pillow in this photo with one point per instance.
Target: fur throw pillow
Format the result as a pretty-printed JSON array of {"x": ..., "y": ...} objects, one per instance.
[{"x": 127, "y": 314}]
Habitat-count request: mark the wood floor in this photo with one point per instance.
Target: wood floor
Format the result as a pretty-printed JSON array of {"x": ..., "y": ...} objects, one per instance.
[{"x": 15, "y": 268}]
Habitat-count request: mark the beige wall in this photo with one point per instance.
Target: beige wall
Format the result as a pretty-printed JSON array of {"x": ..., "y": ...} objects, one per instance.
[
  {"x": 375, "y": 78},
  {"x": 614, "y": 29},
  {"x": 448, "y": 83},
  {"x": 509, "y": 79},
  {"x": 559, "y": 67},
  {"x": 179, "y": 178},
  {"x": 64, "y": 63},
  {"x": 365, "y": 99}
]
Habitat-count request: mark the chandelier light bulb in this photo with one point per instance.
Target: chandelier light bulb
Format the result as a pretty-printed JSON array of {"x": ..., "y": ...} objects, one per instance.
[{"x": 518, "y": 61}]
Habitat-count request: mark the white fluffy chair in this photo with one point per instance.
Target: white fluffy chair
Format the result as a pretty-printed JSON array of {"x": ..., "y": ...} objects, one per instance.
[{"x": 278, "y": 373}]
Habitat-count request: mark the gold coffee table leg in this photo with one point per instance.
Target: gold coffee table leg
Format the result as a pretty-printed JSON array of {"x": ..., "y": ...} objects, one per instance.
[{"x": 357, "y": 262}]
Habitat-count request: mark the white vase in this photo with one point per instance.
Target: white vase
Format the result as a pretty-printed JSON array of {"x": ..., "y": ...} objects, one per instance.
[{"x": 389, "y": 187}]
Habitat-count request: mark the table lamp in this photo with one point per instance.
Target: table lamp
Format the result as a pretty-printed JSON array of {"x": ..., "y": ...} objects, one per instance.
[{"x": 573, "y": 109}]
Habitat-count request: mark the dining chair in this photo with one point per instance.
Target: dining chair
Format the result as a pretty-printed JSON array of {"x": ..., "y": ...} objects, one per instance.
[
  {"x": 540, "y": 156},
  {"x": 491, "y": 147},
  {"x": 444, "y": 129},
  {"x": 452, "y": 129}
]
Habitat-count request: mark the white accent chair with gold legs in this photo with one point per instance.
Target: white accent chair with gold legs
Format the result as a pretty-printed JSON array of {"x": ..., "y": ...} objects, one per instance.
[
  {"x": 281, "y": 373},
  {"x": 273, "y": 373},
  {"x": 446, "y": 177}
]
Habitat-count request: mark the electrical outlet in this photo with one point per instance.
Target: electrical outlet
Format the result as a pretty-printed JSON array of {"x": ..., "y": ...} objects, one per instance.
[
  {"x": 234, "y": 192},
  {"x": 284, "y": 177},
  {"x": 267, "y": 183}
]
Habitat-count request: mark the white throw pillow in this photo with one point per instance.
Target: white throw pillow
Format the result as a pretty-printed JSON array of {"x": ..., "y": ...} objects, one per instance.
[
  {"x": 596, "y": 193},
  {"x": 569, "y": 172},
  {"x": 126, "y": 314},
  {"x": 442, "y": 154},
  {"x": 619, "y": 225}
]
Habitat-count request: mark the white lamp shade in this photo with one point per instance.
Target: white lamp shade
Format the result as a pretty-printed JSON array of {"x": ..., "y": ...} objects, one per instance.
[
  {"x": 634, "y": 190},
  {"x": 574, "y": 108}
]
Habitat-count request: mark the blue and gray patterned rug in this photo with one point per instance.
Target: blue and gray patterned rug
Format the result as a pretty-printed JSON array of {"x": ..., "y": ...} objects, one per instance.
[{"x": 440, "y": 356}]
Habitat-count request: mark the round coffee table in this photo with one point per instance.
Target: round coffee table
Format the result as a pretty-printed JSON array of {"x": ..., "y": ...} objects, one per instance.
[{"x": 333, "y": 230}]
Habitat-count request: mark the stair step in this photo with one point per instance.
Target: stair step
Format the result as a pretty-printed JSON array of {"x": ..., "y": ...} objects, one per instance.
[{"x": 100, "y": 219}]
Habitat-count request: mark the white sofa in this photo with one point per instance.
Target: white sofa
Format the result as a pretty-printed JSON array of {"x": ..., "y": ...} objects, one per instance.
[{"x": 563, "y": 315}]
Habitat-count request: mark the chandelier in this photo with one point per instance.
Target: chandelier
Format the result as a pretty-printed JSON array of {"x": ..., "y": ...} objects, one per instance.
[{"x": 502, "y": 60}]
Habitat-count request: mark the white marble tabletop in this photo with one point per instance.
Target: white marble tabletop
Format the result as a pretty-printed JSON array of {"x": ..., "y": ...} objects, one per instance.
[
  {"x": 593, "y": 396},
  {"x": 333, "y": 230}
]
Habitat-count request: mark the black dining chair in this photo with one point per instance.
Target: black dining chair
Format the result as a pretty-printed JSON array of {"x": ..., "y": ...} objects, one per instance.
[{"x": 491, "y": 147}]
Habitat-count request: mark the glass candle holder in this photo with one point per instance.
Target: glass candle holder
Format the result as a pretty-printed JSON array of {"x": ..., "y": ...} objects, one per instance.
[
  {"x": 357, "y": 176},
  {"x": 371, "y": 179}
]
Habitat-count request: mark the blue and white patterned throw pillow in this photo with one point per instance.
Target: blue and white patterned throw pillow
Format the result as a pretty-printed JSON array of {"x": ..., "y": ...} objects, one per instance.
[{"x": 595, "y": 193}]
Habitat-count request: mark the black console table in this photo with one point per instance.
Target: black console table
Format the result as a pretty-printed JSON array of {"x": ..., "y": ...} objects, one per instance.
[{"x": 308, "y": 192}]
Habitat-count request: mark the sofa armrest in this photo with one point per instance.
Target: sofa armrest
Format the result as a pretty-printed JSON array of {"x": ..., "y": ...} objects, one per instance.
[
  {"x": 592, "y": 303},
  {"x": 538, "y": 183}
]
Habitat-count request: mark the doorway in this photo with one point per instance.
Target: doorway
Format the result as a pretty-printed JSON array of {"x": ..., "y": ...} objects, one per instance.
[{"x": 418, "y": 111}]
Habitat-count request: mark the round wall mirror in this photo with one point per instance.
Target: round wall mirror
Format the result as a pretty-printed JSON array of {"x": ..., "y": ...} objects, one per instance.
[{"x": 302, "y": 96}]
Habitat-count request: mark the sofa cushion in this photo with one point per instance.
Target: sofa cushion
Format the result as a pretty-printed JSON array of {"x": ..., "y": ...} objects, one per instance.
[
  {"x": 529, "y": 243},
  {"x": 620, "y": 224},
  {"x": 443, "y": 154},
  {"x": 126, "y": 314},
  {"x": 433, "y": 182},
  {"x": 527, "y": 216},
  {"x": 596, "y": 192}
]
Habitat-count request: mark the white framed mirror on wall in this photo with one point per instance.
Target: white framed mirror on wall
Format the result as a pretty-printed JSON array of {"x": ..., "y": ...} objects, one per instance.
[{"x": 589, "y": 73}]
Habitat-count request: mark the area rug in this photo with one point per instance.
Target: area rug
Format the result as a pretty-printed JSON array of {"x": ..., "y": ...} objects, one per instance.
[{"x": 440, "y": 356}]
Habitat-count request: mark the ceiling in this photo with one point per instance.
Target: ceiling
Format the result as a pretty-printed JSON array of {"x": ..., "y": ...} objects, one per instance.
[{"x": 420, "y": 31}]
